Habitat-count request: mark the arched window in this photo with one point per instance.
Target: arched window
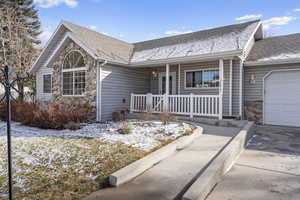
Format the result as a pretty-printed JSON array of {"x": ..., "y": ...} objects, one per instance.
[{"x": 73, "y": 72}]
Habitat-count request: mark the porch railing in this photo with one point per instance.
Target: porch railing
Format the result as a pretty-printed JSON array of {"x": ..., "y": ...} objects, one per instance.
[{"x": 193, "y": 105}]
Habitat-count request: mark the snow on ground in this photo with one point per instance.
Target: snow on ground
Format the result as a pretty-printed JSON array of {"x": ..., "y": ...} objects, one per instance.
[
  {"x": 145, "y": 135},
  {"x": 51, "y": 164}
]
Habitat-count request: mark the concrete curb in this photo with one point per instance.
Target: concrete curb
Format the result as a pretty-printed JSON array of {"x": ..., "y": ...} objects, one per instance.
[
  {"x": 136, "y": 168},
  {"x": 218, "y": 166}
]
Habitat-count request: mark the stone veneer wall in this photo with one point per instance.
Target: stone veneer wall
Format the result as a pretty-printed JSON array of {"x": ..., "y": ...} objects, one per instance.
[
  {"x": 90, "y": 90},
  {"x": 254, "y": 111}
]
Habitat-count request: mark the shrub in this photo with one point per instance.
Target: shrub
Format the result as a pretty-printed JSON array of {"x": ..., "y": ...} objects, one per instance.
[
  {"x": 56, "y": 116},
  {"x": 120, "y": 115},
  {"x": 124, "y": 114},
  {"x": 116, "y": 116},
  {"x": 165, "y": 118},
  {"x": 125, "y": 128},
  {"x": 20, "y": 111}
]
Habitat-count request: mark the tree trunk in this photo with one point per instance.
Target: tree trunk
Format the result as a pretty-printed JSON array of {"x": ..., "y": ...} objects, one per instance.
[{"x": 21, "y": 95}]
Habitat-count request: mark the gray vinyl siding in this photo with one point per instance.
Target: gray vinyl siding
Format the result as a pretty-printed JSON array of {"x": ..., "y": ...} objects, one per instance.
[
  {"x": 226, "y": 88},
  {"x": 236, "y": 87},
  {"x": 40, "y": 95},
  {"x": 117, "y": 84},
  {"x": 254, "y": 91}
]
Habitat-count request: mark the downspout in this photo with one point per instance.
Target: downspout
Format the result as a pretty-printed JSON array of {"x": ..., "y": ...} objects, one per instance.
[{"x": 100, "y": 64}]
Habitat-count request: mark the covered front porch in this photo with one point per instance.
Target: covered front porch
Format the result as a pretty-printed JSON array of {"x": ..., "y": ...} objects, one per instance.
[{"x": 195, "y": 89}]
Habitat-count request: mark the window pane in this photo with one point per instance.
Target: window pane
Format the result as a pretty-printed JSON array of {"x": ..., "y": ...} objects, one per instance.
[
  {"x": 68, "y": 83},
  {"x": 189, "y": 79},
  {"x": 79, "y": 78},
  {"x": 47, "y": 88},
  {"x": 211, "y": 78},
  {"x": 197, "y": 79},
  {"x": 73, "y": 60}
]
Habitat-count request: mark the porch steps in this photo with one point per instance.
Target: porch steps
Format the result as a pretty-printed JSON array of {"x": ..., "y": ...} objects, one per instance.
[{"x": 172, "y": 177}]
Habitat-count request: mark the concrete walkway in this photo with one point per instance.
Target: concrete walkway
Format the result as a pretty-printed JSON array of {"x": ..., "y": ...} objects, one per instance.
[
  {"x": 171, "y": 178},
  {"x": 269, "y": 169}
]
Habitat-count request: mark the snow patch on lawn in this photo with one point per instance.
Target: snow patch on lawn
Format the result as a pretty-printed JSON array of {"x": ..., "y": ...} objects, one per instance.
[
  {"x": 144, "y": 135},
  {"x": 49, "y": 164}
]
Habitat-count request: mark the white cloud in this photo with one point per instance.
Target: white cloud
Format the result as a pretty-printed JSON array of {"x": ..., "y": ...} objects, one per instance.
[
  {"x": 93, "y": 27},
  {"x": 44, "y": 37},
  {"x": 52, "y": 3},
  {"x": 121, "y": 35},
  {"x": 297, "y": 10},
  {"x": 277, "y": 21},
  {"x": 252, "y": 16},
  {"x": 176, "y": 32}
]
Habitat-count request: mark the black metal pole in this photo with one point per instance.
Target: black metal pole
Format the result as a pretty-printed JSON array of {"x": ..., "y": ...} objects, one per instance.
[{"x": 8, "y": 118}]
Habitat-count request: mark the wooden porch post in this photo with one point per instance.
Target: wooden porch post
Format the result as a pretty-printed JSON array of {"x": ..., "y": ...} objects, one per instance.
[
  {"x": 149, "y": 102},
  {"x": 131, "y": 102},
  {"x": 166, "y": 101},
  {"x": 221, "y": 67},
  {"x": 178, "y": 79},
  {"x": 167, "y": 79},
  {"x": 191, "y": 105}
]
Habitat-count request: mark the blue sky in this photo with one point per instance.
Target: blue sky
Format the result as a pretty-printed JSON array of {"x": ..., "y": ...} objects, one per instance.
[{"x": 138, "y": 20}]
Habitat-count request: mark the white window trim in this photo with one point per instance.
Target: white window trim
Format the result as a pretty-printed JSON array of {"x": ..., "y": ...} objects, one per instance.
[
  {"x": 50, "y": 93},
  {"x": 72, "y": 70},
  {"x": 200, "y": 70}
]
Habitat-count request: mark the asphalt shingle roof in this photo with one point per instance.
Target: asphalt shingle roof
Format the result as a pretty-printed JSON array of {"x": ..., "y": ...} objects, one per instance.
[
  {"x": 275, "y": 48},
  {"x": 222, "y": 39},
  {"x": 102, "y": 45}
]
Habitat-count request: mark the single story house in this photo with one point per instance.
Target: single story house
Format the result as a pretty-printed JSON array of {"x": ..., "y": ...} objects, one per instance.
[{"x": 224, "y": 72}]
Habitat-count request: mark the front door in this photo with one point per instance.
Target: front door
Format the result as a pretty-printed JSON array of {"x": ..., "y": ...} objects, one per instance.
[{"x": 172, "y": 83}]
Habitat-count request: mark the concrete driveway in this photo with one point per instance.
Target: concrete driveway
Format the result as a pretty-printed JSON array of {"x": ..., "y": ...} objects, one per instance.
[{"x": 269, "y": 168}]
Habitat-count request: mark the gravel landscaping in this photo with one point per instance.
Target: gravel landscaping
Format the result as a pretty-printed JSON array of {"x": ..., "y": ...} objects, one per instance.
[{"x": 51, "y": 164}]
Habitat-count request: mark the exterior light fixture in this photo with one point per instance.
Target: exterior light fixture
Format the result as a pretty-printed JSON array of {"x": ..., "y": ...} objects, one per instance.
[{"x": 252, "y": 79}]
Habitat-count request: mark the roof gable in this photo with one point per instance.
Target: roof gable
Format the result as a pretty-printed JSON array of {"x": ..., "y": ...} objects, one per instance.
[
  {"x": 56, "y": 37},
  {"x": 104, "y": 47}
]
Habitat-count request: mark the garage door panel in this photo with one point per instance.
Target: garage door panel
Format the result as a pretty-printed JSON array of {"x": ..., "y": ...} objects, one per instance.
[{"x": 282, "y": 98}]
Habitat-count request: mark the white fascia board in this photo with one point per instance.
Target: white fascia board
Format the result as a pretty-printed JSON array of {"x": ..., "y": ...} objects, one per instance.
[
  {"x": 272, "y": 62},
  {"x": 32, "y": 69},
  {"x": 250, "y": 38},
  {"x": 78, "y": 42},
  {"x": 203, "y": 57}
]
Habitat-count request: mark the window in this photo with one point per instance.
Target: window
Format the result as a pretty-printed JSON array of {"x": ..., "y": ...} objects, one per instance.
[
  {"x": 206, "y": 78},
  {"x": 47, "y": 83},
  {"x": 211, "y": 78},
  {"x": 74, "y": 74}
]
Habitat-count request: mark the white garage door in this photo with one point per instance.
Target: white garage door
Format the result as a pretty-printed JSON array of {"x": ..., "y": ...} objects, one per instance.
[{"x": 282, "y": 98}]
